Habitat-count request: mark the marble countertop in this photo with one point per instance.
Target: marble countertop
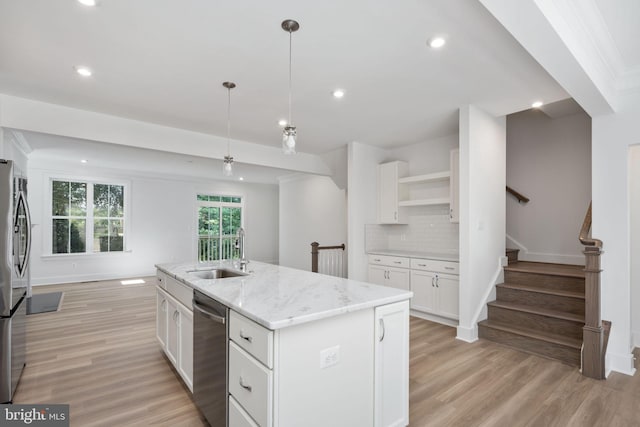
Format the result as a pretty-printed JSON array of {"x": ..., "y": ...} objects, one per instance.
[
  {"x": 277, "y": 297},
  {"x": 440, "y": 256}
]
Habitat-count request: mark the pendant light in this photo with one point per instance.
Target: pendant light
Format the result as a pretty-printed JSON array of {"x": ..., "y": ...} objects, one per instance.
[
  {"x": 289, "y": 133},
  {"x": 227, "y": 167}
]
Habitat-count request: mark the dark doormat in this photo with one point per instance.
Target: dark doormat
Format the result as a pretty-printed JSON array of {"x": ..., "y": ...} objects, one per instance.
[{"x": 43, "y": 303}]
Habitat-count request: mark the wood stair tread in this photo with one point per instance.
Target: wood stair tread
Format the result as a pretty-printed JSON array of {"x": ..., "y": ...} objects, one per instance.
[
  {"x": 538, "y": 310},
  {"x": 563, "y": 270},
  {"x": 538, "y": 335},
  {"x": 531, "y": 288}
]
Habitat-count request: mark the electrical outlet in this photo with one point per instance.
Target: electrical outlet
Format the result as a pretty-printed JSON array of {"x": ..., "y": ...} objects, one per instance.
[{"x": 329, "y": 357}]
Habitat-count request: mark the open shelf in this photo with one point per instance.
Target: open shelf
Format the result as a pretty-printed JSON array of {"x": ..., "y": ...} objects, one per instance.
[
  {"x": 430, "y": 177},
  {"x": 425, "y": 202}
]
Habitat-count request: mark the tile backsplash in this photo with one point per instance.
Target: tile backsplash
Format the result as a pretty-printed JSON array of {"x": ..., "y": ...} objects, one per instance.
[{"x": 428, "y": 230}]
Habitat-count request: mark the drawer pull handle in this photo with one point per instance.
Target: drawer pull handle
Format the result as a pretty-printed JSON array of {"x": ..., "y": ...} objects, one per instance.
[
  {"x": 448, "y": 268},
  {"x": 382, "y": 331},
  {"x": 245, "y": 386},
  {"x": 247, "y": 338},
  {"x": 377, "y": 259},
  {"x": 397, "y": 262},
  {"x": 422, "y": 265}
]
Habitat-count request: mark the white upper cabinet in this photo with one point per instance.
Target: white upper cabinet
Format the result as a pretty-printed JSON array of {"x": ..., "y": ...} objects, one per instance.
[{"x": 390, "y": 193}]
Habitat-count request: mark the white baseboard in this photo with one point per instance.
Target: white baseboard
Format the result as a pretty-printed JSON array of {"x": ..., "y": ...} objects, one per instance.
[
  {"x": 623, "y": 363},
  {"x": 56, "y": 280},
  {"x": 467, "y": 334},
  {"x": 434, "y": 318}
]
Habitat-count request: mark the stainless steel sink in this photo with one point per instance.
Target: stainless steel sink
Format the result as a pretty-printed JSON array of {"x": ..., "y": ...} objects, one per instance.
[{"x": 216, "y": 273}]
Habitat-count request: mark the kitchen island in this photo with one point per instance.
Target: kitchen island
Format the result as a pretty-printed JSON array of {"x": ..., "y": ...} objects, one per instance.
[{"x": 307, "y": 349}]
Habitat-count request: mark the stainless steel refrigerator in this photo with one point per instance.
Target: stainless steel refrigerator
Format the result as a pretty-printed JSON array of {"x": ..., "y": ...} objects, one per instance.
[{"x": 15, "y": 245}]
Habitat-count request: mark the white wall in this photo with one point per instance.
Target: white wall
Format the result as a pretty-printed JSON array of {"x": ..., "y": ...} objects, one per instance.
[
  {"x": 613, "y": 134},
  {"x": 427, "y": 157},
  {"x": 162, "y": 229},
  {"x": 634, "y": 194},
  {"x": 312, "y": 209},
  {"x": 482, "y": 213},
  {"x": 549, "y": 161},
  {"x": 11, "y": 149},
  {"x": 361, "y": 203}
]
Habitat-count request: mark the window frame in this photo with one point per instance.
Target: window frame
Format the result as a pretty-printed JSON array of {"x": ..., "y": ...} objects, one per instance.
[
  {"x": 220, "y": 205},
  {"x": 89, "y": 242}
]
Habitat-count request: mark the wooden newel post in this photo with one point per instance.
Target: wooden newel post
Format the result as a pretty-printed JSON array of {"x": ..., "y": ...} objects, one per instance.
[
  {"x": 592, "y": 332},
  {"x": 314, "y": 257}
]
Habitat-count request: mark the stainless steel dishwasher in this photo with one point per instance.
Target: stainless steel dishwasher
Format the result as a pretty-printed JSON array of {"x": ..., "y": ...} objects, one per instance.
[{"x": 210, "y": 349}]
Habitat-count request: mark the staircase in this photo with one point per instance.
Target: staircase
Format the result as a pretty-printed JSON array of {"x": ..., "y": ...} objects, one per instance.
[{"x": 539, "y": 309}]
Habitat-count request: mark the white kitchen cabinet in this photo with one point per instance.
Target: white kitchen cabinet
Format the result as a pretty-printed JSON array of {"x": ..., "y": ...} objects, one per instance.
[
  {"x": 161, "y": 317},
  {"x": 435, "y": 293},
  {"x": 173, "y": 330},
  {"x": 185, "y": 345},
  {"x": 391, "y": 378},
  {"x": 454, "y": 187},
  {"x": 174, "y": 326},
  {"x": 390, "y": 193},
  {"x": 331, "y": 361},
  {"x": 389, "y": 271}
]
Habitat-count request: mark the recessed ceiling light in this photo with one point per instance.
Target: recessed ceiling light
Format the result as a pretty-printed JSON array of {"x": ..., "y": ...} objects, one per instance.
[
  {"x": 437, "y": 42},
  {"x": 84, "y": 71},
  {"x": 536, "y": 104},
  {"x": 84, "y": 161},
  {"x": 88, "y": 2},
  {"x": 241, "y": 179},
  {"x": 282, "y": 123},
  {"x": 338, "y": 93}
]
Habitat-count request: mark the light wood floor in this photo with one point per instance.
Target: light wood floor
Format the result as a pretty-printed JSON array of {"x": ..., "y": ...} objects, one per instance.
[{"x": 99, "y": 355}]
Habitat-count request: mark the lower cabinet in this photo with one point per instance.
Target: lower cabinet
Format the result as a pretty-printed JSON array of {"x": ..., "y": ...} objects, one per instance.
[
  {"x": 435, "y": 293},
  {"x": 389, "y": 276},
  {"x": 322, "y": 373},
  {"x": 391, "y": 365},
  {"x": 174, "y": 331}
]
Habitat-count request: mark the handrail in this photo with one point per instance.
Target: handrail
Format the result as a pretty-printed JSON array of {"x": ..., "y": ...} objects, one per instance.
[
  {"x": 584, "y": 231},
  {"x": 315, "y": 249},
  {"x": 521, "y": 198}
]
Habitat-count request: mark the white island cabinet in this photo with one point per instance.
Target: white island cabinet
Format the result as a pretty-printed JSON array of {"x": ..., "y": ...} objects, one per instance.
[
  {"x": 310, "y": 350},
  {"x": 174, "y": 324}
]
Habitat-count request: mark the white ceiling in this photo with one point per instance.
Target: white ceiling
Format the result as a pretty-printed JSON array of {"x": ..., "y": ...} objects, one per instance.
[{"x": 164, "y": 61}]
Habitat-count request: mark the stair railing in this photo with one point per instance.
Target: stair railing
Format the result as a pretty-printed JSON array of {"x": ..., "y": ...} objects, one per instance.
[
  {"x": 333, "y": 261},
  {"x": 594, "y": 335},
  {"x": 521, "y": 198}
]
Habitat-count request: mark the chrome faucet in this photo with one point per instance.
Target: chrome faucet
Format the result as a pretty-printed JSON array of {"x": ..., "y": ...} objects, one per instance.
[{"x": 240, "y": 246}]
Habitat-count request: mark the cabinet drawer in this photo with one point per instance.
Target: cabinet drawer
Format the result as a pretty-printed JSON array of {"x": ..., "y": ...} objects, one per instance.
[
  {"x": 448, "y": 267},
  {"x": 391, "y": 261},
  {"x": 255, "y": 339},
  {"x": 181, "y": 292},
  {"x": 238, "y": 417},
  {"x": 251, "y": 384},
  {"x": 161, "y": 279}
]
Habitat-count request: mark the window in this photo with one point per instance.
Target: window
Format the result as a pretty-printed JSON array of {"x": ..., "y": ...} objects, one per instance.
[
  {"x": 87, "y": 217},
  {"x": 219, "y": 218}
]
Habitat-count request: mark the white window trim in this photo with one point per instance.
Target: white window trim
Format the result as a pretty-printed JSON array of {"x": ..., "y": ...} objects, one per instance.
[{"x": 47, "y": 226}]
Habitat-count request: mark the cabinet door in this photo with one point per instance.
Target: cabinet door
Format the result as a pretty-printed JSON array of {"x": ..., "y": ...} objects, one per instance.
[
  {"x": 398, "y": 278},
  {"x": 161, "y": 317},
  {"x": 185, "y": 347},
  {"x": 454, "y": 188},
  {"x": 448, "y": 295},
  {"x": 391, "y": 379},
  {"x": 377, "y": 274},
  {"x": 172, "y": 330},
  {"x": 424, "y": 291},
  {"x": 388, "y": 192}
]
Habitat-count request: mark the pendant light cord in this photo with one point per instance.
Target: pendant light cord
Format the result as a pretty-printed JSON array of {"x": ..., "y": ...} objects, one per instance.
[
  {"x": 228, "y": 121},
  {"x": 290, "y": 38}
]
